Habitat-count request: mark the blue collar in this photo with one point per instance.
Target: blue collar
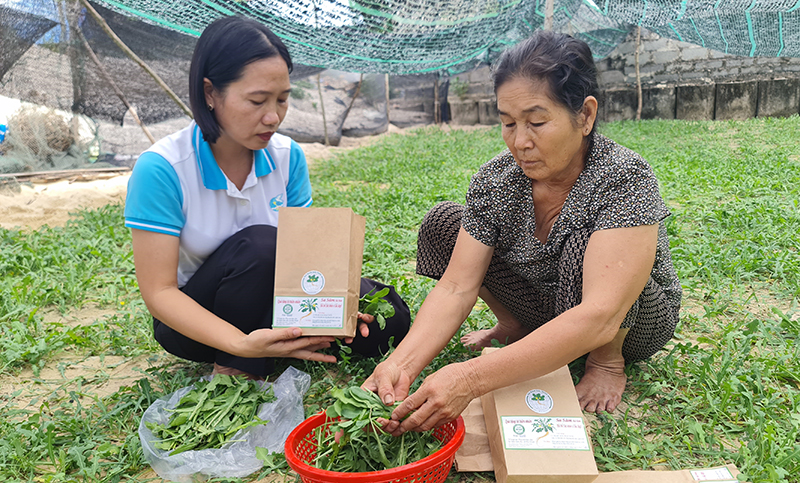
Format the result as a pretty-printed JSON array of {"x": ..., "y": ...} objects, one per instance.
[{"x": 213, "y": 177}]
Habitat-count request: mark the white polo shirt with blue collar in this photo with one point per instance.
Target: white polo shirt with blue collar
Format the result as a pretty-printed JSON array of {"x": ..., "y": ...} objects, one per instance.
[{"x": 177, "y": 188}]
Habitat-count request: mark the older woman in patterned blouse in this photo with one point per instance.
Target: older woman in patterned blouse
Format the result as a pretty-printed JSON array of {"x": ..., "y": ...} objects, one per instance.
[{"x": 562, "y": 236}]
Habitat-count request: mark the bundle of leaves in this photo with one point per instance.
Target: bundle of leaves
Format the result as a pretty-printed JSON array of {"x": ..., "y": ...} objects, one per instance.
[
  {"x": 211, "y": 413},
  {"x": 375, "y": 304},
  {"x": 356, "y": 442}
]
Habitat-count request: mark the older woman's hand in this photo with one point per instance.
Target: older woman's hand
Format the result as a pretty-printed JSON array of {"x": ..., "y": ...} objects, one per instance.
[
  {"x": 442, "y": 398},
  {"x": 389, "y": 381}
]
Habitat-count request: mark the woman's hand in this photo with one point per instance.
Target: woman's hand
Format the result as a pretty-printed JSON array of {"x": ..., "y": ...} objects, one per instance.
[
  {"x": 442, "y": 398},
  {"x": 389, "y": 381},
  {"x": 286, "y": 342},
  {"x": 363, "y": 328}
]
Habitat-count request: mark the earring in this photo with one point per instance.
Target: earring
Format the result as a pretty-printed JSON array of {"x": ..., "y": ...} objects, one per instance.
[{"x": 210, "y": 107}]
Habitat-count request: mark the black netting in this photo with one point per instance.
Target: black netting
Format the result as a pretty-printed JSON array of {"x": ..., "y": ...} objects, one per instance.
[{"x": 18, "y": 31}]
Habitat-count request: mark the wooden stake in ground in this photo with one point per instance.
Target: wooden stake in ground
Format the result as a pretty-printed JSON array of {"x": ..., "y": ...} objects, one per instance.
[
  {"x": 114, "y": 86},
  {"x": 352, "y": 100},
  {"x": 386, "y": 84},
  {"x": 638, "y": 76},
  {"x": 437, "y": 110},
  {"x": 135, "y": 57},
  {"x": 322, "y": 106}
]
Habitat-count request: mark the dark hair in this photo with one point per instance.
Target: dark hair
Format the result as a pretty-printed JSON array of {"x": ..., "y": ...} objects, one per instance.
[
  {"x": 564, "y": 62},
  {"x": 224, "y": 49}
]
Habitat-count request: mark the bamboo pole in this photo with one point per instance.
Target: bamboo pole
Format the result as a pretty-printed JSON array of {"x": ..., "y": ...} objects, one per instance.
[
  {"x": 114, "y": 86},
  {"x": 352, "y": 101},
  {"x": 355, "y": 95},
  {"x": 549, "y": 7},
  {"x": 134, "y": 57},
  {"x": 386, "y": 84},
  {"x": 322, "y": 106},
  {"x": 638, "y": 75},
  {"x": 65, "y": 173},
  {"x": 437, "y": 110}
]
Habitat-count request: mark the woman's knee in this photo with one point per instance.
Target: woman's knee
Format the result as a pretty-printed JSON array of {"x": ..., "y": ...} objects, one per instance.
[
  {"x": 437, "y": 238},
  {"x": 256, "y": 244},
  {"x": 441, "y": 221}
]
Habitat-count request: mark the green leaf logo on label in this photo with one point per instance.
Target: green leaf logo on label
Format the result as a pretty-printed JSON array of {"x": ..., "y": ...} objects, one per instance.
[
  {"x": 539, "y": 401},
  {"x": 312, "y": 282}
]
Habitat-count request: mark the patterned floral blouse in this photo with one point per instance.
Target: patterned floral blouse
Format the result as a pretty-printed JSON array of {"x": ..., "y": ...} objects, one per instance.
[{"x": 616, "y": 189}]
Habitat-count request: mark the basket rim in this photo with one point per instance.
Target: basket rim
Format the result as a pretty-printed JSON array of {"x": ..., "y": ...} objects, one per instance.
[{"x": 304, "y": 469}]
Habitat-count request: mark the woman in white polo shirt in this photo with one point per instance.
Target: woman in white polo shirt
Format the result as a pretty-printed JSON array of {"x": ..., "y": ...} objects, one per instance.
[{"x": 202, "y": 205}]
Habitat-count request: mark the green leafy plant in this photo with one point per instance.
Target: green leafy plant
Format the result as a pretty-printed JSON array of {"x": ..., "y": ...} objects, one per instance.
[
  {"x": 211, "y": 413},
  {"x": 375, "y": 304},
  {"x": 361, "y": 444},
  {"x": 459, "y": 88},
  {"x": 544, "y": 426},
  {"x": 307, "y": 307}
]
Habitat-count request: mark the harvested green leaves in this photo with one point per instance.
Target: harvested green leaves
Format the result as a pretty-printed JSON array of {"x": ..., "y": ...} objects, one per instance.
[
  {"x": 375, "y": 304},
  {"x": 211, "y": 413},
  {"x": 363, "y": 445}
]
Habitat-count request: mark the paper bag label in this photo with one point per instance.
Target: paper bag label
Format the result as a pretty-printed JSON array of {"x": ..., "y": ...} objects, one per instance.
[
  {"x": 713, "y": 474},
  {"x": 312, "y": 282},
  {"x": 309, "y": 312},
  {"x": 530, "y": 432}
]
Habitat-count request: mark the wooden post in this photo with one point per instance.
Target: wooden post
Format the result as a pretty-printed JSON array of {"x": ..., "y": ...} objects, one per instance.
[
  {"x": 437, "y": 110},
  {"x": 548, "y": 14},
  {"x": 386, "y": 84},
  {"x": 76, "y": 67},
  {"x": 322, "y": 106},
  {"x": 114, "y": 86},
  {"x": 134, "y": 57},
  {"x": 638, "y": 76},
  {"x": 352, "y": 101},
  {"x": 355, "y": 95}
]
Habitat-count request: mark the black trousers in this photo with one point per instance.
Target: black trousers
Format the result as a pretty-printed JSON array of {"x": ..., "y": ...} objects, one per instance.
[{"x": 236, "y": 283}]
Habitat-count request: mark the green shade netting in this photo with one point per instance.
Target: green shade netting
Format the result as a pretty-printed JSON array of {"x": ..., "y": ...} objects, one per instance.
[{"x": 418, "y": 36}]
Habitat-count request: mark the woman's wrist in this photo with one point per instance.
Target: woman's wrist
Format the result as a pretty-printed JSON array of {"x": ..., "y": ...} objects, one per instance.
[
  {"x": 470, "y": 371},
  {"x": 234, "y": 342}
]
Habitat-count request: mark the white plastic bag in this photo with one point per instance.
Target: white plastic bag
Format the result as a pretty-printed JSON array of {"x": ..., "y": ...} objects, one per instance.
[{"x": 233, "y": 460}]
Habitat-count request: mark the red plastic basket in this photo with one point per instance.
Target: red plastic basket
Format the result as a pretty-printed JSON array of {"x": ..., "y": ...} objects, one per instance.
[{"x": 301, "y": 448}]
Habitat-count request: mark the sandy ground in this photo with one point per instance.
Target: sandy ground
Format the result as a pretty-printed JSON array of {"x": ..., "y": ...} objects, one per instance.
[{"x": 31, "y": 205}]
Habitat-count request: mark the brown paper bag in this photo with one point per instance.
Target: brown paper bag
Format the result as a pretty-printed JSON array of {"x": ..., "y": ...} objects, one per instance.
[
  {"x": 537, "y": 432},
  {"x": 474, "y": 453},
  {"x": 318, "y": 270},
  {"x": 720, "y": 474}
]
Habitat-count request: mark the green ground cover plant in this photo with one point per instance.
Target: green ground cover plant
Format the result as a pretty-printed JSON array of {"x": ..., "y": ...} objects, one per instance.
[{"x": 725, "y": 390}]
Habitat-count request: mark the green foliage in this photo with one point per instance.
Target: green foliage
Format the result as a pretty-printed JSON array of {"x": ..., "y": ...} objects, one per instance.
[
  {"x": 304, "y": 84},
  {"x": 362, "y": 444},
  {"x": 375, "y": 304},
  {"x": 725, "y": 390},
  {"x": 459, "y": 88},
  {"x": 211, "y": 413}
]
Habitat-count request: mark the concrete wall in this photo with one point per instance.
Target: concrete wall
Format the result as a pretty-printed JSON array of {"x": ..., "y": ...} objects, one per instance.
[
  {"x": 679, "y": 81},
  {"x": 666, "y": 61}
]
